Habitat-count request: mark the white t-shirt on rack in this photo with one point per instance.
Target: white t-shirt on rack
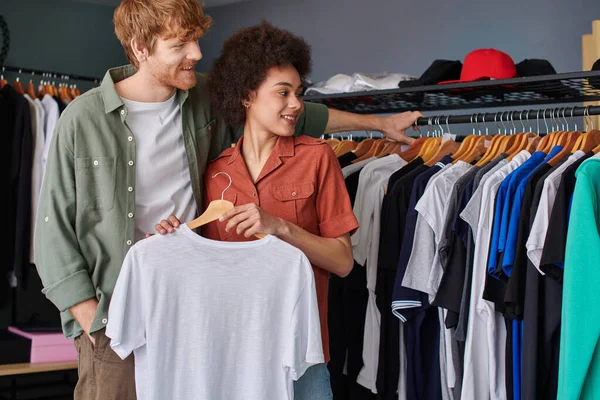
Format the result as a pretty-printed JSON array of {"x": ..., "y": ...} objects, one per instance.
[{"x": 211, "y": 320}]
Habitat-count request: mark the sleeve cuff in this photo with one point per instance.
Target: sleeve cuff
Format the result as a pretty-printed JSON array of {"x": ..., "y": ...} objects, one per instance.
[
  {"x": 339, "y": 225},
  {"x": 71, "y": 290},
  {"x": 315, "y": 118}
]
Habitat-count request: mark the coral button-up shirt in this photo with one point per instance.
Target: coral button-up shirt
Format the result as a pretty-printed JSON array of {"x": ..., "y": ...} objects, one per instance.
[{"x": 301, "y": 182}]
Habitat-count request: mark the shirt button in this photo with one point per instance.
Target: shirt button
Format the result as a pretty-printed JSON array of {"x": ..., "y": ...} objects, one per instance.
[
  {"x": 46, "y": 219},
  {"x": 122, "y": 112},
  {"x": 293, "y": 194},
  {"x": 130, "y": 215},
  {"x": 253, "y": 194},
  {"x": 130, "y": 163},
  {"x": 104, "y": 320},
  {"x": 129, "y": 243},
  {"x": 130, "y": 138},
  {"x": 95, "y": 162},
  {"x": 130, "y": 189},
  {"x": 210, "y": 128}
]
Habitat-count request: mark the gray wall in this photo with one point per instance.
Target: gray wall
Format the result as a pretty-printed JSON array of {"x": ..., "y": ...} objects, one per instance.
[
  {"x": 346, "y": 35},
  {"x": 62, "y": 36},
  {"x": 406, "y": 36}
]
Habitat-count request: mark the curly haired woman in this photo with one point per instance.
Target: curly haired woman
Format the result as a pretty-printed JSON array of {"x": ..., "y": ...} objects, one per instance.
[{"x": 284, "y": 185}]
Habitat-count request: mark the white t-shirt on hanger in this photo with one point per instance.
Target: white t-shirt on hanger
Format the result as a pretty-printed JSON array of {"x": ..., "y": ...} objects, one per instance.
[{"x": 213, "y": 320}]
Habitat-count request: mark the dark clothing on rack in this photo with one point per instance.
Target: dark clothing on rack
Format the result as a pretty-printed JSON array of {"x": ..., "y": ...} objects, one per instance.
[
  {"x": 452, "y": 255},
  {"x": 347, "y": 302},
  {"x": 553, "y": 255},
  {"x": 21, "y": 161},
  {"x": 461, "y": 329},
  {"x": 23, "y": 150},
  {"x": 61, "y": 105},
  {"x": 346, "y": 159},
  {"x": 421, "y": 322},
  {"x": 393, "y": 220},
  {"x": 8, "y": 114},
  {"x": 541, "y": 325},
  {"x": 514, "y": 297}
]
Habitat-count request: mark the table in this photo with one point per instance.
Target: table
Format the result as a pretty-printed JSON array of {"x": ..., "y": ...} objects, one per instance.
[{"x": 27, "y": 368}]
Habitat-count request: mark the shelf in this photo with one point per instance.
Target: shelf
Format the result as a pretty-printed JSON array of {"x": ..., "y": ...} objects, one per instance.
[
  {"x": 538, "y": 90},
  {"x": 20, "y": 369}
]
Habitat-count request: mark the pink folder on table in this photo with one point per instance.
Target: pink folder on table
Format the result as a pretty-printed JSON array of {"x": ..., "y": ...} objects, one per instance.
[{"x": 48, "y": 347}]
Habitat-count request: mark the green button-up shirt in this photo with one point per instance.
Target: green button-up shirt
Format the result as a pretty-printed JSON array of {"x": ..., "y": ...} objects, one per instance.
[{"x": 83, "y": 230}]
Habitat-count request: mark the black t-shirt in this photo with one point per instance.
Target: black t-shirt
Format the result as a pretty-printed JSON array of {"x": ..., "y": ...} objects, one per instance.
[
  {"x": 352, "y": 185},
  {"x": 541, "y": 327},
  {"x": 553, "y": 254},
  {"x": 346, "y": 159},
  {"x": 421, "y": 322},
  {"x": 392, "y": 232},
  {"x": 347, "y": 304},
  {"x": 515, "y": 287}
]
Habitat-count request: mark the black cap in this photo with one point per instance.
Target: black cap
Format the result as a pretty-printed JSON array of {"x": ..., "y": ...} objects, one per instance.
[
  {"x": 538, "y": 67},
  {"x": 438, "y": 71}
]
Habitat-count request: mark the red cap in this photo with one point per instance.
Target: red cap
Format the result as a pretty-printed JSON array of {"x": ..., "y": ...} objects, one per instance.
[{"x": 485, "y": 64}]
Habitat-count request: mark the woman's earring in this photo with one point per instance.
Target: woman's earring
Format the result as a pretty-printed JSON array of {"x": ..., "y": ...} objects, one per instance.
[{"x": 246, "y": 105}]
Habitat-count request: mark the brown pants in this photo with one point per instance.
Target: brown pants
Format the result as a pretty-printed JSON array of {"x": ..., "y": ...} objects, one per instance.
[{"x": 102, "y": 373}]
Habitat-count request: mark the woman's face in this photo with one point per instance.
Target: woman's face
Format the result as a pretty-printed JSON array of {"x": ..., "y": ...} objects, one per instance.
[{"x": 276, "y": 106}]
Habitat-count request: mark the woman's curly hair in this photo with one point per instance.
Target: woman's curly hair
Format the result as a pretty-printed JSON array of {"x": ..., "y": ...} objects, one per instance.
[{"x": 243, "y": 64}]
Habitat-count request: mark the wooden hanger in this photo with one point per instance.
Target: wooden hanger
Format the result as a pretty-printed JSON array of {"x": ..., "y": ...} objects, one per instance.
[
  {"x": 370, "y": 152},
  {"x": 477, "y": 150},
  {"x": 412, "y": 152},
  {"x": 493, "y": 149},
  {"x": 31, "y": 90},
  {"x": 434, "y": 145},
  {"x": 345, "y": 146},
  {"x": 469, "y": 141},
  {"x": 571, "y": 139},
  {"x": 215, "y": 209},
  {"x": 447, "y": 148},
  {"x": 464, "y": 145},
  {"x": 363, "y": 147},
  {"x": 532, "y": 144},
  {"x": 588, "y": 141},
  {"x": 18, "y": 87},
  {"x": 3, "y": 81},
  {"x": 380, "y": 146},
  {"x": 332, "y": 142},
  {"x": 387, "y": 149}
]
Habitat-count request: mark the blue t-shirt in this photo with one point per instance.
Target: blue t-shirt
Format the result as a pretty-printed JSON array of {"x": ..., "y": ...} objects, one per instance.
[
  {"x": 510, "y": 246},
  {"x": 502, "y": 210}
]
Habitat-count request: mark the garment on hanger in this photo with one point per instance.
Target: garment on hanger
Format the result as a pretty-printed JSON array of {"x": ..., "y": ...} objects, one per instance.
[
  {"x": 253, "y": 347},
  {"x": 579, "y": 359}
]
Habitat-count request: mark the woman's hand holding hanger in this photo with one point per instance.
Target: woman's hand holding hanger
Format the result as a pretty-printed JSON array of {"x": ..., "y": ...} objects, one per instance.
[{"x": 247, "y": 220}]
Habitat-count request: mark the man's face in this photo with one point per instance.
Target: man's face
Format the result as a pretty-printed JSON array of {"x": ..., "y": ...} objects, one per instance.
[{"x": 172, "y": 62}]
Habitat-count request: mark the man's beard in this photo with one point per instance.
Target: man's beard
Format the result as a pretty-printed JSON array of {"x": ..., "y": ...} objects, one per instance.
[{"x": 176, "y": 81}]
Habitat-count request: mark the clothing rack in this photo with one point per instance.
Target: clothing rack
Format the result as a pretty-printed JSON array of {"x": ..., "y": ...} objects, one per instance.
[
  {"x": 510, "y": 116},
  {"x": 51, "y": 74}
]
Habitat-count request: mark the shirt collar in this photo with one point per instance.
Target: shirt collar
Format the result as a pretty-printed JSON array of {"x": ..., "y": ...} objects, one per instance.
[
  {"x": 283, "y": 148},
  {"x": 112, "y": 100}
]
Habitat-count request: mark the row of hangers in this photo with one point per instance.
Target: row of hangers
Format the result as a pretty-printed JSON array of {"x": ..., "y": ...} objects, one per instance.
[
  {"x": 64, "y": 91},
  {"x": 481, "y": 147}
]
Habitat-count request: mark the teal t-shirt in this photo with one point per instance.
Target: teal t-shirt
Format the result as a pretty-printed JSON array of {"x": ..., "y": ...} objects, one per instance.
[{"x": 579, "y": 366}]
